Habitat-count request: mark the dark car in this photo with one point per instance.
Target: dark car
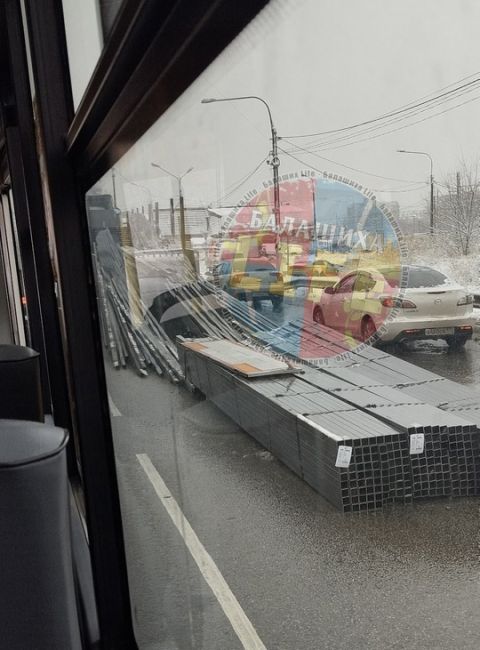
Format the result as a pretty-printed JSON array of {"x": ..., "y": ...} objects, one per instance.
[
  {"x": 187, "y": 310},
  {"x": 253, "y": 279}
]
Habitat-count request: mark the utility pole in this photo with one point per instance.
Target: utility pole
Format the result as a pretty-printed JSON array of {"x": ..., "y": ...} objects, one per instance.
[
  {"x": 315, "y": 233},
  {"x": 183, "y": 234},
  {"x": 274, "y": 162},
  {"x": 157, "y": 219},
  {"x": 459, "y": 204},
  {"x": 431, "y": 202},
  {"x": 172, "y": 218},
  {"x": 114, "y": 188}
]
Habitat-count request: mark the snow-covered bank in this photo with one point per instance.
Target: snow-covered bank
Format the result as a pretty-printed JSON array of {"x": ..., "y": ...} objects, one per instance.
[{"x": 465, "y": 270}]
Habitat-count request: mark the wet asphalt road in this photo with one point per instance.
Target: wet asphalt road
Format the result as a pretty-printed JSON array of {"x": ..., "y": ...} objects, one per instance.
[
  {"x": 461, "y": 365},
  {"x": 307, "y": 577}
]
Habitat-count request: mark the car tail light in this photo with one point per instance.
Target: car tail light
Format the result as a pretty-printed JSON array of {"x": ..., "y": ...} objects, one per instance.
[
  {"x": 466, "y": 300},
  {"x": 466, "y": 328},
  {"x": 402, "y": 303},
  {"x": 279, "y": 277}
]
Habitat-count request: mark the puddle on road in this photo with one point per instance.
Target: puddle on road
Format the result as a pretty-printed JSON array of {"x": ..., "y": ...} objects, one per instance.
[
  {"x": 429, "y": 347},
  {"x": 462, "y": 366}
]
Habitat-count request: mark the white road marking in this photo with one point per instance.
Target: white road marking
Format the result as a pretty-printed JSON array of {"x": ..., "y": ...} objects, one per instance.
[
  {"x": 114, "y": 412},
  {"x": 217, "y": 583}
]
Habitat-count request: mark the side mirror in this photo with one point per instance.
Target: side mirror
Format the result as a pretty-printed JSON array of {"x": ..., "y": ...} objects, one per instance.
[{"x": 329, "y": 290}]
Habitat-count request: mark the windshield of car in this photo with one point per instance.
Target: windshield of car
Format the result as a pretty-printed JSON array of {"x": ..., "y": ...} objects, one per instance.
[{"x": 259, "y": 266}]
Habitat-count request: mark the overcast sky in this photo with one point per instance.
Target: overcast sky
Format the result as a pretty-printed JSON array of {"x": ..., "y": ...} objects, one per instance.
[{"x": 321, "y": 65}]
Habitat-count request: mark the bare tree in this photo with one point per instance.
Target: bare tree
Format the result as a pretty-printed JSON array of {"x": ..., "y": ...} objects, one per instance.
[{"x": 457, "y": 213}]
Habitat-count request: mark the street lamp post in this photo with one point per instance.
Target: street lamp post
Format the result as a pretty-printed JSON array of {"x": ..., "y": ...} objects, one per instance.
[
  {"x": 424, "y": 153},
  {"x": 274, "y": 159},
  {"x": 183, "y": 234}
]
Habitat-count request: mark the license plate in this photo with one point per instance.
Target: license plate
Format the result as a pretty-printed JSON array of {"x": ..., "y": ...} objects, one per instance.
[{"x": 437, "y": 331}]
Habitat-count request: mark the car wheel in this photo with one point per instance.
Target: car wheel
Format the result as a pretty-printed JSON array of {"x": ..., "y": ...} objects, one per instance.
[
  {"x": 277, "y": 303},
  {"x": 400, "y": 347},
  {"x": 457, "y": 341},
  {"x": 239, "y": 295},
  {"x": 318, "y": 316},
  {"x": 368, "y": 328}
]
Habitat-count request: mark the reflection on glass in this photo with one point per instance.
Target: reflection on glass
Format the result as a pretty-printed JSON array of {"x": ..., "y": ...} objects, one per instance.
[{"x": 288, "y": 345}]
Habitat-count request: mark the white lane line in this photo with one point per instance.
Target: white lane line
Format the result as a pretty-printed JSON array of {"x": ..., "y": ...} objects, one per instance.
[
  {"x": 217, "y": 583},
  {"x": 114, "y": 412}
]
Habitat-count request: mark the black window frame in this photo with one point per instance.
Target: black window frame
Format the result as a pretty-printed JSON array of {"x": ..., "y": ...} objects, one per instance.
[{"x": 125, "y": 96}]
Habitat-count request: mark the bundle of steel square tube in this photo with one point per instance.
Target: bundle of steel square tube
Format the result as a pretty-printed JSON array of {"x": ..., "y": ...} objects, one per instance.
[{"x": 369, "y": 402}]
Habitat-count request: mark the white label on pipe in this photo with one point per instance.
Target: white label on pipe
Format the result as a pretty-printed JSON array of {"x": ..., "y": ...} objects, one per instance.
[
  {"x": 417, "y": 443},
  {"x": 344, "y": 455}
]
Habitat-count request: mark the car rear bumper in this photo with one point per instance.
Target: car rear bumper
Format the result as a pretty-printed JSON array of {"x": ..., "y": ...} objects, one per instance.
[
  {"x": 404, "y": 330},
  {"x": 313, "y": 282},
  {"x": 246, "y": 294}
]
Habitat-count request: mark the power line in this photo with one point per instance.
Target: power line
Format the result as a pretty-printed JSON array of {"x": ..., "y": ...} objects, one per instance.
[
  {"x": 326, "y": 143},
  {"x": 360, "y": 171},
  {"x": 327, "y": 146},
  {"x": 142, "y": 187},
  {"x": 404, "y": 189},
  {"x": 321, "y": 171},
  {"x": 404, "y": 108},
  {"x": 238, "y": 184},
  {"x": 242, "y": 179}
]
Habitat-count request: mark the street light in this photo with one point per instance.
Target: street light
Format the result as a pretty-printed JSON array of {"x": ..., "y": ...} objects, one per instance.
[
  {"x": 183, "y": 235},
  {"x": 178, "y": 178},
  {"x": 274, "y": 160},
  {"x": 424, "y": 153}
]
